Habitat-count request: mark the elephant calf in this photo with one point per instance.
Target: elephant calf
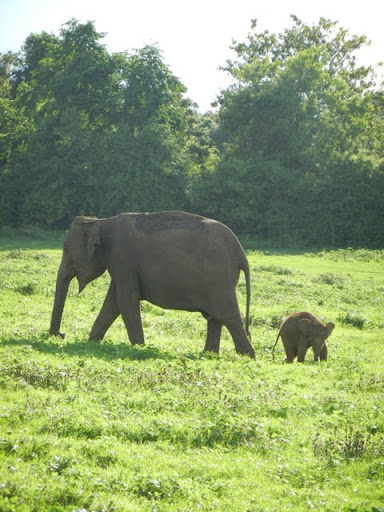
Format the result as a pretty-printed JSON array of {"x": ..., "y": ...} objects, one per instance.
[
  {"x": 299, "y": 331},
  {"x": 175, "y": 260}
]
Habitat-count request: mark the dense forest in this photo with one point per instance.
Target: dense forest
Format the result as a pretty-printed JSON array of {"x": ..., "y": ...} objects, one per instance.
[{"x": 293, "y": 151}]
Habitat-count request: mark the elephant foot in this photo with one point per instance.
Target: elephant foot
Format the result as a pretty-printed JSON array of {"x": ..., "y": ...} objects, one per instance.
[
  {"x": 94, "y": 340},
  {"x": 246, "y": 352},
  {"x": 58, "y": 334},
  {"x": 212, "y": 350}
]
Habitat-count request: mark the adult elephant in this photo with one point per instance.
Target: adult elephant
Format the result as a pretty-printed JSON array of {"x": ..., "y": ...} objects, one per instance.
[{"x": 175, "y": 260}]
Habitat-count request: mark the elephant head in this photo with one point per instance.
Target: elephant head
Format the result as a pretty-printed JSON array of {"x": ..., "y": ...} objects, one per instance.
[
  {"x": 316, "y": 333},
  {"x": 80, "y": 259}
]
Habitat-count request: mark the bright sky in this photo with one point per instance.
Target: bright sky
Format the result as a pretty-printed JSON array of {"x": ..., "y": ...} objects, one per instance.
[{"x": 194, "y": 36}]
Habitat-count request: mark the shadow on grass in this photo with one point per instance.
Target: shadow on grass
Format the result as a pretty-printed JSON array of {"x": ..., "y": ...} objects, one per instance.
[{"x": 100, "y": 350}]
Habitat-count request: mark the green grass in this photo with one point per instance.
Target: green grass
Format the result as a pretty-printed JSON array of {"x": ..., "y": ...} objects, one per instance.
[{"x": 166, "y": 427}]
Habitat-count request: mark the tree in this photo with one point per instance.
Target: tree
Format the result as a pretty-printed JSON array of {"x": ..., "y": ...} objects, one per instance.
[
  {"x": 14, "y": 131},
  {"x": 63, "y": 87},
  {"x": 303, "y": 131},
  {"x": 107, "y": 132},
  {"x": 148, "y": 148}
]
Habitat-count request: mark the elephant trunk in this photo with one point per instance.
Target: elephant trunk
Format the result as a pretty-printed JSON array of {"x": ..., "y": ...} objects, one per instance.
[{"x": 62, "y": 284}]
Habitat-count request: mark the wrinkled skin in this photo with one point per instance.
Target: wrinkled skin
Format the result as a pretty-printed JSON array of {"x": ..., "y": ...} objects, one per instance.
[
  {"x": 175, "y": 260},
  {"x": 299, "y": 332}
]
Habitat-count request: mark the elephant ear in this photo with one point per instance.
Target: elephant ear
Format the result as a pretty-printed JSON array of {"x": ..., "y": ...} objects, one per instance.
[
  {"x": 305, "y": 326},
  {"x": 92, "y": 238},
  {"x": 330, "y": 326}
]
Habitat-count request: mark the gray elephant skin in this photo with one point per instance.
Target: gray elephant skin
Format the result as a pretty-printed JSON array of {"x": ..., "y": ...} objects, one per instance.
[
  {"x": 299, "y": 332},
  {"x": 174, "y": 260}
]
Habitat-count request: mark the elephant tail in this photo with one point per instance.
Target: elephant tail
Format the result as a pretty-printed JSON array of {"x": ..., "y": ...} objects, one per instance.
[
  {"x": 273, "y": 349},
  {"x": 245, "y": 268}
]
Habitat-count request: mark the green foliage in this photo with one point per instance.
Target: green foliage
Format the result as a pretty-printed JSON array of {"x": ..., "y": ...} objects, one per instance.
[
  {"x": 101, "y": 126},
  {"x": 294, "y": 153},
  {"x": 303, "y": 159},
  {"x": 110, "y": 426},
  {"x": 353, "y": 318}
]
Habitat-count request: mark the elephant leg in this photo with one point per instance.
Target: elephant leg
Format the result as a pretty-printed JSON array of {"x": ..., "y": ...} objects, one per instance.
[
  {"x": 290, "y": 351},
  {"x": 242, "y": 344},
  {"x": 225, "y": 310},
  {"x": 129, "y": 306},
  {"x": 213, "y": 335},
  {"x": 324, "y": 352},
  {"x": 301, "y": 351},
  {"x": 108, "y": 314}
]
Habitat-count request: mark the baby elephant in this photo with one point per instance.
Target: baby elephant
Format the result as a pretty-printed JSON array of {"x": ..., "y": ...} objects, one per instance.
[{"x": 300, "y": 331}]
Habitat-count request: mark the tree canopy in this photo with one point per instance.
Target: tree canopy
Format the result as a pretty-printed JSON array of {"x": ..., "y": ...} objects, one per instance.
[
  {"x": 293, "y": 153},
  {"x": 103, "y": 132},
  {"x": 303, "y": 158}
]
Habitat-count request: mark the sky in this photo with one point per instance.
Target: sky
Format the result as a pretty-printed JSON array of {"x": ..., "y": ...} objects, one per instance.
[{"x": 194, "y": 35}]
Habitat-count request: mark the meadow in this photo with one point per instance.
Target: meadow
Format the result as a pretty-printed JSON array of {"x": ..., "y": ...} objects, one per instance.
[{"x": 166, "y": 427}]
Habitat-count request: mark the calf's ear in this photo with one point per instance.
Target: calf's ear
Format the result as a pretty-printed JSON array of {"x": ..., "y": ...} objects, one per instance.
[
  {"x": 305, "y": 326},
  {"x": 330, "y": 326}
]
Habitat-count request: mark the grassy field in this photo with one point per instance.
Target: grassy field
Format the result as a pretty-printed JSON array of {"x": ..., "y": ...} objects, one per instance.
[{"x": 165, "y": 427}]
